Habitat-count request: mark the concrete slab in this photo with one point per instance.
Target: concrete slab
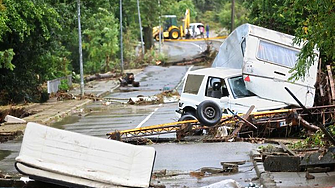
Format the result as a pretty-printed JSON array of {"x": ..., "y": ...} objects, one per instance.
[
  {"x": 297, "y": 179},
  {"x": 12, "y": 119}
]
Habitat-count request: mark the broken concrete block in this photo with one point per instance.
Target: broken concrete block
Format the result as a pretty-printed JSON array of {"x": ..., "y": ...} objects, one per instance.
[
  {"x": 230, "y": 167},
  {"x": 211, "y": 170},
  {"x": 282, "y": 163},
  {"x": 12, "y": 119},
  {"x": 234, "y": 162},
  {"x": 316, "y": 159}
]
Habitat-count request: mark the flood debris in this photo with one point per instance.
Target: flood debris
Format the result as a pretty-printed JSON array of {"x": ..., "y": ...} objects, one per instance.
[
  {"x": 143, "y": 100},
  {"x": 82, "y": 160},
  {"x": 280, "y": 158},
  {"x": 6, "y": 136},
  {"x": 19, "y": 112},
  {"x": 167, "y": 96},
  {"x": 13, "y": 120},
  {"x": 228, "y": 183},
  {"x": 128, "y": 79},
  {"x": 100, "y": 76}
]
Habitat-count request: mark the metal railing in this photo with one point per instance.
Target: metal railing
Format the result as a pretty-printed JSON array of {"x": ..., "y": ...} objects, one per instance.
[{"x": 54, "y": 84}]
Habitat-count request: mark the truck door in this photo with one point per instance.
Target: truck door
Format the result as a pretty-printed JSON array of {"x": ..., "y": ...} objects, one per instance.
[{"x": 216, "y": 90}]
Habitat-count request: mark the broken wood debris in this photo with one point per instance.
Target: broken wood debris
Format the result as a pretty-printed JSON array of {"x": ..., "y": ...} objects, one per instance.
[
  {"x": 266, "y": 122},
  {"x": 100, "y": 76}
]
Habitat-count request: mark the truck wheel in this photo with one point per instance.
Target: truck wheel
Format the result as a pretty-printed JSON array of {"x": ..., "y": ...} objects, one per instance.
[
  {"x": 174, "y": 34},
  {"x": 186, "y": 117},
  {"x": 157, "y": 37},
  {"x": 209, "y": 113}
]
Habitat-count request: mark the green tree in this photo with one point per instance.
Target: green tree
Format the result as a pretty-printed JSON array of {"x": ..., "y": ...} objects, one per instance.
[
  {"x": 316, "y": 29},
  {"x": 28, "y": 34},
  {"x": 101, "y": 42},
  {"x": 224, "y": 16},
  {"x": 274, "y": 14}
]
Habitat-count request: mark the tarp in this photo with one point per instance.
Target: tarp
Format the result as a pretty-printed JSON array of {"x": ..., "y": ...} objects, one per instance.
[{"x": 72, "y": 157}]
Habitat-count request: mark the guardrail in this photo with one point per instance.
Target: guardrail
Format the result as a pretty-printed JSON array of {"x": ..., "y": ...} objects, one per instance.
[
  {"x": 195, "y": 39},
  {"x": 53, "y": 84}
]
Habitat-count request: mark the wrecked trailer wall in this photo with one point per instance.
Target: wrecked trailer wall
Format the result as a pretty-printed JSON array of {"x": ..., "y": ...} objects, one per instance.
[{"x": 266, "y": 58}]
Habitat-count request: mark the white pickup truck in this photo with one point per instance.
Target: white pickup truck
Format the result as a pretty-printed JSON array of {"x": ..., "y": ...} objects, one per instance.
[{"x": 209, "y": 92}]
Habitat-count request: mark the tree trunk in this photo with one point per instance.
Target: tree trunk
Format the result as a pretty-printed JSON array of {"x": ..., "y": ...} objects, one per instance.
[{"x": 148, "y": 39}]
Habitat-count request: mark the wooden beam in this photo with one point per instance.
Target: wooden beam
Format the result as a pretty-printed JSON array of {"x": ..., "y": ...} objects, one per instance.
[{"x": 331, "y": 82}]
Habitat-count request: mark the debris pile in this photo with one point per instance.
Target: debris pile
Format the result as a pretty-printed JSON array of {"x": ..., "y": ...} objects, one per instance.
[
  {"x": 280, "y": 158},
  {"x": 129, "y": 79}
]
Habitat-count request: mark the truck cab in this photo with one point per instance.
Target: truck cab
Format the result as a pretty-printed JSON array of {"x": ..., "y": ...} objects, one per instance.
[{"x": 219, "y": 88}]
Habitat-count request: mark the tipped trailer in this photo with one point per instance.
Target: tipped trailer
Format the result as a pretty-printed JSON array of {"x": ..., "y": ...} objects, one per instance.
[{"x": 266, "y": 58}]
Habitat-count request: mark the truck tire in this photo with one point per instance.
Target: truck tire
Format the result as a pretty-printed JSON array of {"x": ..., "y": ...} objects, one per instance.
[
  {"x": 157, "y": 37},
  {"x": 186, "y": 117},
  {"x": 209, "y": 113},
  {"x": 174, "y": 34}
]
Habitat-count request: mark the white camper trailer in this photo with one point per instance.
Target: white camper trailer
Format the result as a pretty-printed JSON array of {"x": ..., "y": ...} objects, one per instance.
[{"x": 265, "y": 58}]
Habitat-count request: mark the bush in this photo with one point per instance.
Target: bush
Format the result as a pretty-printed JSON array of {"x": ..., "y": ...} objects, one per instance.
[{"x": 64, "y": 86}]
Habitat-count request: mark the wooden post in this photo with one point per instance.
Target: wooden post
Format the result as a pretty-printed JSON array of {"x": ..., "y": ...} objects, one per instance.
[{"x": 331, "y": 83}]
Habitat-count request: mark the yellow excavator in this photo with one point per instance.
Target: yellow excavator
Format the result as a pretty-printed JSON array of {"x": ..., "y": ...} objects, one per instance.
[{"x": 170, "y": 30}]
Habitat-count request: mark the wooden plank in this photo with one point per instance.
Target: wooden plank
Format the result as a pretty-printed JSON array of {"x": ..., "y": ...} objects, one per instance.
[
  {"x": 331, "y": 82},
  {"x": 241, "y": 123},
  {"x": 286, "y": 149},
  {"x": 328, "y": 88}
]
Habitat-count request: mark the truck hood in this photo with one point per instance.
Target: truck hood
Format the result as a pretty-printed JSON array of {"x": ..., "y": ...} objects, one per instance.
[{"x": 260, "y": 103}]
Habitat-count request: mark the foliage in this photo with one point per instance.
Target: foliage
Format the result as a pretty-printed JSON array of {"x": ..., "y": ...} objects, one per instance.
[
  {"x": 64, "y": 86},
  {"x": 224, "y": 15},
  {"x": 273, "y": 14},
  {"x": 152, "y": 57},
  {"x": 316, "y": 140},
  {"x": 316, "y": 29},
  {"x": 101, "y": 42},
  {"x": 28, "y": 34},
  {"x": 6, "y": 58},
  {"x": 179, "y": 9}
]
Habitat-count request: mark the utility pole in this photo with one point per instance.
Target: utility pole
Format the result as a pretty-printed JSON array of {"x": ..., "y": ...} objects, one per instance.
[
  {"x": 232, "y": 15},
  {"x": 80, "y": 54},
  {"x": 160, "y": 28},
  {"x": 139, "y": 20},
  {"x": 121, "y": 43}
]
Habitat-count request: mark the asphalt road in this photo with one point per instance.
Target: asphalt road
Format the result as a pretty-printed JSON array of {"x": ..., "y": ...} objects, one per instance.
[
  {"x": 180, "y": 50},
  {"x": 97, "y": 119},
  {"x": 180, "y": 158}
]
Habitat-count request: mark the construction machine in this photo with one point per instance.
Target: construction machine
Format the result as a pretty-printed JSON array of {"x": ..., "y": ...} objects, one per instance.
[{"x": 170, "y": 30}]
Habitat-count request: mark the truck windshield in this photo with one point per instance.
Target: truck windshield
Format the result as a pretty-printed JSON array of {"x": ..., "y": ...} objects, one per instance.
[
  {"x": 193, "y": 83},
  {"x": 238, "y": 88}
]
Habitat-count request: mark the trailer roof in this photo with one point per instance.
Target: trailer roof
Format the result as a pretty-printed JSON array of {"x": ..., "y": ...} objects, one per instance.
[{"x": 218, "y": 72}]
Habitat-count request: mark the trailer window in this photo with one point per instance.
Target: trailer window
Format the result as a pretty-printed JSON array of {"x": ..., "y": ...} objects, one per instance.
[
  {"x": 277, "y": 54},
  {"x": 193, "y": 83},
  {"x": 238, "y": 88}
]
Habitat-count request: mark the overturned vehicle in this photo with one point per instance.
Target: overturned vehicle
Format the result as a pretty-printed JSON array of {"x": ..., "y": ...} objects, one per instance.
[{"x": 252, "y": 68}]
